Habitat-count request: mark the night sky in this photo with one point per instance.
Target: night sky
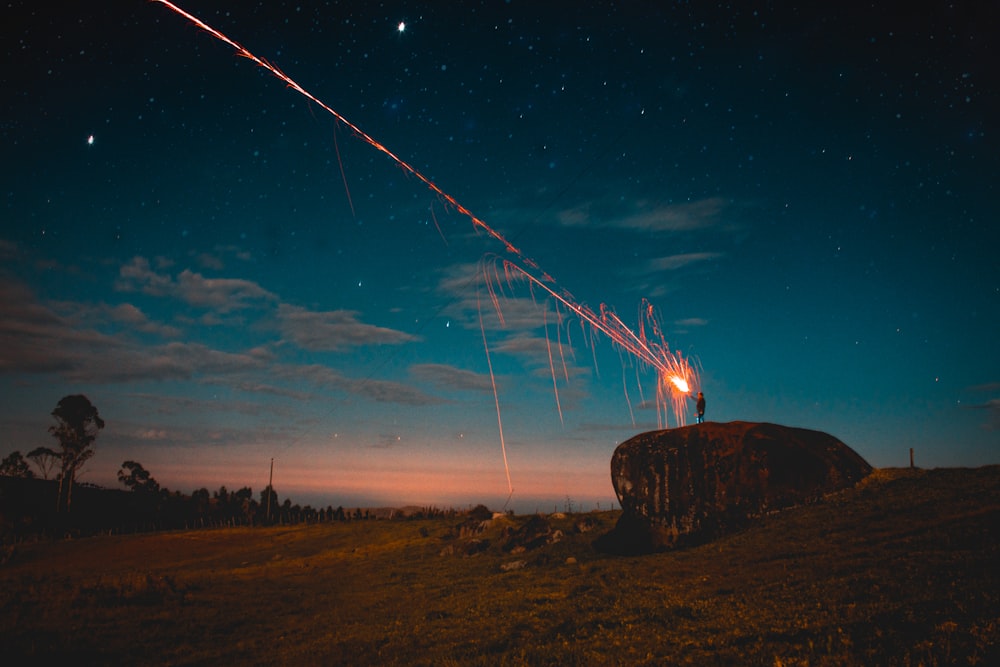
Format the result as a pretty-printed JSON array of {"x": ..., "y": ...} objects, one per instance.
[{"x": 809, "y": 200}]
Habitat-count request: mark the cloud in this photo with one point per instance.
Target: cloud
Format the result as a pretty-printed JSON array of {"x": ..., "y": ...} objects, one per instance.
[
  {"x": 461, "y": 280},
  {"x": 543, "y": 357},
  {"x": 126, "y": 313},
  {"x": 991, "y": 406},
  {"x": 385, "y": 391},
  {"x": 674, "y": 262},
  {"x": 137, "y": 275},
  {"x": 38, "y": 339},
  {"x": 173, "y": 361},
  {"x": 221, "y": 294},
  {"x": 472, "y": 302},
  {"x": 210, "y": 261},
  {"x": 150, "y": 434},
  {"x": 256, "y": 387},
  {"x": 334, "y": 330},
  {"x": 190, "y": 406},
  {"x": 992, "y": 409},
  {"x": 179, "y": 361},
  {"x": 65, "y": 339},
  {"x": 108, "y": 318},
  {"x": 533, "y": 347},
  {"x": 382, "y": 391},
  {"x": 691, "y": 322},
  {"x": 689, "y": 216},
  {"x": 8, "y": 250},
  {"x": 215, "y": 260},
  {"x": 451, "y": 377}
]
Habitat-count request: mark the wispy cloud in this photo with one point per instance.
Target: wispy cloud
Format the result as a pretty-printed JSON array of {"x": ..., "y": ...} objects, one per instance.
[
  {"x": 334, "y": 330},
  {"x": 125, "y": 317},
  {"x": 150, "y": 434},
  {"x": 674, "y": 262},
  {"x": 992, "y": 409},
  {"x": 40, "y": 340},
  {"x": 495, "y": 307},
  {"x": 219, "y": 294},
  {"x": 175, "y": 361},
  {"x": 688, "y": 216},
  {"x": 450, "y": 377},
  {"x": 382, "y": 391},
  {"x": 37, "y": 339}
]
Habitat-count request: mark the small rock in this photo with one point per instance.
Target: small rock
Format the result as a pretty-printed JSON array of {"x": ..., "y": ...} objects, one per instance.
[
  {"x": 473, "y": 547},
  {"x": 513, "y": 565}
]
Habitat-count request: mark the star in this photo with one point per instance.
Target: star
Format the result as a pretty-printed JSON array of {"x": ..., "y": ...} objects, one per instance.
[
  {"x": 90, "y": 140},
  {"x": 401, "y": 27}
]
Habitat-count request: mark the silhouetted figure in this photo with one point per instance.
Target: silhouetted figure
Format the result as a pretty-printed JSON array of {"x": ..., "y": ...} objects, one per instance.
[{"x": 700, "y": 406}]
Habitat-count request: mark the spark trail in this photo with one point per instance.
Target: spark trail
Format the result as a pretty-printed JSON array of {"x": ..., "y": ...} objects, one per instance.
[
  {"x": 405, "y": 166},
  {"x": 674, "y": 373}
]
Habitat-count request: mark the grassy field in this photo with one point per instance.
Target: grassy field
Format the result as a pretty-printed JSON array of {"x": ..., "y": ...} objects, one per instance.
[{"x": 902, "y": 570}]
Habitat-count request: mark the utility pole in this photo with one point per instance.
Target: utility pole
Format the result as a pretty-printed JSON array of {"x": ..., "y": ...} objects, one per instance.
[{"x": 270, "y": 490}]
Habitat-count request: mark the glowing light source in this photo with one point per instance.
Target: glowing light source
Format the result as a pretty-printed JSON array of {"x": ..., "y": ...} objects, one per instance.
[
  {"x": 401, "y": 27},
  {"x": 680, "y": 383}
]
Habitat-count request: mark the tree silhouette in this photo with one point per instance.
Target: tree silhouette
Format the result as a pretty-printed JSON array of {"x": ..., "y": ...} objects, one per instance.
[
  {"x": 15, "y": 466},
  {"x": 137, "y": 478},
  {"x": 243, "y": 500},
  {"x": 268, "y": 502},
  {"x": 201, "y": 505},
  {"x": 77, "y": 424},
  {"x": 45, "y": 458}
]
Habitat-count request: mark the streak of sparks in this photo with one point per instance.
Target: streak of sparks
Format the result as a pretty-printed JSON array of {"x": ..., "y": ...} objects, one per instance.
[
  {"x": 674, "y": 372},
  {"x": 648, "y": 346},
  {"x": 496, "y": 399},
  {"x": 405, "y": 166},
  {"x": 343, "y": 174}
]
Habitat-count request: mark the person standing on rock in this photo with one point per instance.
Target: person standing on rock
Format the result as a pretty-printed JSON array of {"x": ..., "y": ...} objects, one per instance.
[{"x": 700, "y": 406}]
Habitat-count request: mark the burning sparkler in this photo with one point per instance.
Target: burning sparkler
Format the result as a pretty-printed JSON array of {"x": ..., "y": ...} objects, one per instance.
[{"x": 680, "y": 383}]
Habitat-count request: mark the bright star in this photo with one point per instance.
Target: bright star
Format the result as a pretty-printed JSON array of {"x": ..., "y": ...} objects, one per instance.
[
  {"x": 90, "y": 140},
  {"x": 401, "y": 27}
]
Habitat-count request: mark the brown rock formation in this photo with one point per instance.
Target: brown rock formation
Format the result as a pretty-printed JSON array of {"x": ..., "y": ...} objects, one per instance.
[{"x": 694, "y": 483}]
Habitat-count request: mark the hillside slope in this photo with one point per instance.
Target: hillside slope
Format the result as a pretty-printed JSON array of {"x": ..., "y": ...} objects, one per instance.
[{"x": 900, "y": 570}]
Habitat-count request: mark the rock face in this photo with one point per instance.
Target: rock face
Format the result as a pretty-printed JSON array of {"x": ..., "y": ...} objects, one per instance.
[{"x": 694, "y": 483}]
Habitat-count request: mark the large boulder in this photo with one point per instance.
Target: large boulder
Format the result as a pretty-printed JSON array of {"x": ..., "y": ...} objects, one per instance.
[{"x": 691, "y": 484}]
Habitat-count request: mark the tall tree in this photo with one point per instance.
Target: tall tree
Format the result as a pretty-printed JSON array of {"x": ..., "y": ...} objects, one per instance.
[
  {"x": 76, "y": 427},
  {"x": 15, "y": 466}
]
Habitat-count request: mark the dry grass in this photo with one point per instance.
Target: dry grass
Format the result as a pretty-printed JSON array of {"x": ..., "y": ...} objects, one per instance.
[{"x": 899, "y": 571}]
